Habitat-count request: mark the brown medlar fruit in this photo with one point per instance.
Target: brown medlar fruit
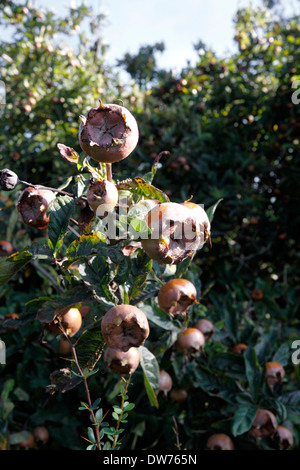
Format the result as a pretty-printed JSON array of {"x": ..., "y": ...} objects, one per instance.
[
  {"x": 264, "y": 424},
  {"x": 6, "y": 248},
  {"x": 32, "y": 207},
  {"x": 239, "y": 348},
  {"x": 178, "y": 394},
  {"x": 206, "y": 327},
  {"x": 122, "y": 362},
  {"x": 165, "y": 382},
  {"x": 176, "y": 232},
  {"x": 41, "y": 434},
  {"x": 8, "y": 180},
  {"x": 286, "y": 439},
  {"x": 108, "y": 133},
  {"x": 219, "y": 442},
  {"x": 176, "y": 296},
  {"x": 190, "y": 341},
  {"x": 124, "y": 326},
  {"x": 70, "y": 319},
  {"x": 102, "y": 197},
  {"x": 274, "y": 373}
]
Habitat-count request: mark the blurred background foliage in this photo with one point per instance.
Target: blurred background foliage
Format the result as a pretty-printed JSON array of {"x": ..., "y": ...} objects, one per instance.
[{"x": 232, "y": 132}]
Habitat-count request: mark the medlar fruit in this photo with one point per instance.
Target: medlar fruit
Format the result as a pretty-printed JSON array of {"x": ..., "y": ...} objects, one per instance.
[
  {"x": 70, "y": 319},
  {"x": 122, "y": 362},
  {"x": 219, "y": 442},
  {"x": 286, "y": 439},
  {"x": 102, "y": 197},
  {"x": 108, "y": 133},
  {"x": 165, "y": 381},
  {"x": 8, "y": 180},
  {"x": 177, "y": 232},
  {"x": 124, "y": 326},
  {"x": 264, "y": 424},
  {"x": 206, "y": 327},
  {"x": 274, "y": 373},
  {"x": 178, "y": 394},
  {"x": 6, "y": 248},
  {"x": 32, "y": 207},
  {"x": 239, "y": 348},
  {"x": 190, "y": 341},
  {"x": 176, "y": 296}
]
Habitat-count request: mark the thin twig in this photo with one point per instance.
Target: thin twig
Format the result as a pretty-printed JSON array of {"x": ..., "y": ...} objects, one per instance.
[
  {"x": 38, "y": 186},
  {"x": 85, "y": 385},
  {"x": 47, "y": 275},
  {"x": 175, "y": 429},
  {"x": 73, "y": 231},
  {"x": 121, "y": 414}
]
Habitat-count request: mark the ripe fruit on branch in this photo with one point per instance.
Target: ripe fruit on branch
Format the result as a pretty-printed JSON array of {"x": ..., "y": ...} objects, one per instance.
[
  {"x": 264, "y": 424},
  {"x": 122, "y": 362},
  {"x": 32, "y": 207},
  {"x": 6, "y": 248},
  {"x": 41, "y": 434},
  {"x": 206, "y": 327},
  {"x": 219, "y": 442},
  {"x": 239, "y": 348},
  {"x": 190, "y": 341},
  {"x": 257, "y": 294},
  {"x": 124, "y": 326},
  {"x": 165, "y": 382},
  {"x": 274, "y": 373},
  {"x": 29, "y": 442},
  {"x": 64, "y": 347},
  {"x": 176, "y": 232},
  {"x": 108, "y": 133},
  {"x": 286, "y": 439},
  {"x": 70, "y": 319},
  {"x": 176, "y": 296},
  {"x": 179, "y": 394},
  {"x": 102, "y": 197},
  {"x": 8, "y": 180}
]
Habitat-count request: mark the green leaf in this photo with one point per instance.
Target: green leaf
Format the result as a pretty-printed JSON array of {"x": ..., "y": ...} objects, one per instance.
[
  {"x": 18, "y": 437},
  {"x": 11, "y": 265},
  {"x": 243, "y": 419},
  {"x": 253, "y": 372},
  {"x": 141, "y": 266},
  {"x": 212, "y": 209},
  {"x": 139, "y": 187},
  {"x": 46, "y": 312},
  {"x": 160, "y": 318},
  {"x": 91, "y": 244},
  {"x": 60, "y": 212},
  {"x": 91, "y": 435},
  {"x": 151, "y": 373}
]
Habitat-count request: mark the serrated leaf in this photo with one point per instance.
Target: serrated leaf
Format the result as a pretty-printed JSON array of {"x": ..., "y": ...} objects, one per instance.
[
  {"x": 60, "y": 212},
  {"x": 139, "y": 187},
  {"x": 11, "y": 265},
  {"x": 243, "y": 419}
]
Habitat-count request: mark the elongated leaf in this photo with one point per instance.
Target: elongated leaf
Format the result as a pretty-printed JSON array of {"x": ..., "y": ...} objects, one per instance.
[
  {"x": 141, "y": 188},
  {"x": 212, "y": 209},
  {"x": 151, "y": 373},
  {"x": 11, "y": 265},
  {"x": 60, "y": 212},
  {"x": 243, "y": 418},
  {"x": 253, "y": 372},
  {"x": 159, "y": 318}
]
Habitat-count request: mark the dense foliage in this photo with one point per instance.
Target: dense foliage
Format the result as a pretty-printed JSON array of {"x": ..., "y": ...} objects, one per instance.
[{"x": 230, "y": 132}]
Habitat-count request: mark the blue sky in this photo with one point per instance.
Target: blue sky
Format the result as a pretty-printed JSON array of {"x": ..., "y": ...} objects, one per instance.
[{"x": 179, "y": 23}]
